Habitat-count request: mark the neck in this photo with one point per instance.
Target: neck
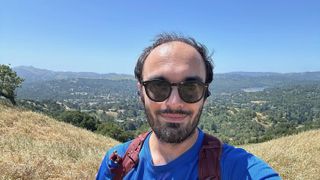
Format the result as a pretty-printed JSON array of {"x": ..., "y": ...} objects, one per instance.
[{"x": 162, "y": 152}]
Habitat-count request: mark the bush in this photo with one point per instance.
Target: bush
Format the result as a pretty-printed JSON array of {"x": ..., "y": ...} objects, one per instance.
[
  {"x": 112, "y": 130},
  {"x": 79, "y": 119}
]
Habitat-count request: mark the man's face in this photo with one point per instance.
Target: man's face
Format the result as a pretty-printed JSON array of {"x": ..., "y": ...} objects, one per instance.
[{"x": 173, "y": 120}]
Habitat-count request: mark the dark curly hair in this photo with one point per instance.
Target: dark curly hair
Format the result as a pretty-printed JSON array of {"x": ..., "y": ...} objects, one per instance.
[{"x": 169, "y": 37}]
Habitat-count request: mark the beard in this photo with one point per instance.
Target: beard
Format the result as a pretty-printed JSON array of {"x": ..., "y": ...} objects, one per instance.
[{"x": 172, "y": 132}]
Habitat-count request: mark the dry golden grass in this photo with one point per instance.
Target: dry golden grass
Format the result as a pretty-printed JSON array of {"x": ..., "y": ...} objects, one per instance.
[
  {"x": 294, "y": 157},
  {"x": 34, "y": 146}
]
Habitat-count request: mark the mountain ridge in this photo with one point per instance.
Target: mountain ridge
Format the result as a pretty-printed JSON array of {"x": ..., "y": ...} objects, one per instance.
[{"x": 31, "y": 73}]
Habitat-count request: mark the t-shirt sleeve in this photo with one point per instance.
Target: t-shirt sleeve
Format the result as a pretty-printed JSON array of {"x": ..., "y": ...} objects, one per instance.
[
  {"x": 236, "y": 163},
  {"x": 104, "y": 172}
]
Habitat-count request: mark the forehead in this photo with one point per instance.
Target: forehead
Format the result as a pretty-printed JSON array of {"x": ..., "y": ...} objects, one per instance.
[{"x": 174, "y": 61}]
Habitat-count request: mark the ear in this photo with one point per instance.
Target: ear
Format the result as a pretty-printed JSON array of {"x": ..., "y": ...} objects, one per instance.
[
  {"x": 140, "y": 91},
  {"x": 139, "y": 88},
  {"x": 207, "y": 94}
]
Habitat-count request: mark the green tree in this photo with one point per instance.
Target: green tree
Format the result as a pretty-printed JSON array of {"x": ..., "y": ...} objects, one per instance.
[
  {"x": 79, "y": 119},
  {"x": 9, "y": 81},
  {"x": 113, "y": 130}
]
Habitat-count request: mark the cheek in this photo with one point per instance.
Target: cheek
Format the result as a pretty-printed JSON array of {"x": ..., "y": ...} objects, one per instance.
[
  {"x": 152, "y": 106},
  {"x": 197, "y": 108}
]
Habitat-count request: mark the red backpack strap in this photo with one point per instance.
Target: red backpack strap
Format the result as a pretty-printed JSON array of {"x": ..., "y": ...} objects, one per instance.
[
  {"x": 129, "y": 160},
  {"x": 209, "y": 158}
]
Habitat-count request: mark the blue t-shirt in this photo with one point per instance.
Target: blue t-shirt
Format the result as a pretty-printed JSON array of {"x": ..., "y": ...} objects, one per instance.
[{"x": 235, "y": 164}]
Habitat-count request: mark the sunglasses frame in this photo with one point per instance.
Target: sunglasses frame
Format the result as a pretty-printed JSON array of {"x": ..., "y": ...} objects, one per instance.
[{"x": 204, "y": 85}]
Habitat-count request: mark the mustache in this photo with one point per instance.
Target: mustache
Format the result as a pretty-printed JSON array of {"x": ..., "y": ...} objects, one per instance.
[{"x": 171, "y": 111}]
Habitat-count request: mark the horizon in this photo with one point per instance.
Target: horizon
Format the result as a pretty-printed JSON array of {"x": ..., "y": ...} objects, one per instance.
[
  {"x": 107, "y": 37},
  {"x": 61, "y": 71}
]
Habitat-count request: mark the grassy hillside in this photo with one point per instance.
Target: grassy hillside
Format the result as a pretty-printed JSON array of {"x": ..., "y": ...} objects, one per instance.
[
  {"x": 294, "y": 157},
  {"x": 34, "y": 146}
]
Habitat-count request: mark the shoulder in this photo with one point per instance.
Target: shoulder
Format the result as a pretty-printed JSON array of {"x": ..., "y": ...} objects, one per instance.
[
  {"x": 237, "y": 162},
  {"x": 103, "y": 172},
  {"x": 120, "y": 148},
  {"x": 232, "y": 153}
]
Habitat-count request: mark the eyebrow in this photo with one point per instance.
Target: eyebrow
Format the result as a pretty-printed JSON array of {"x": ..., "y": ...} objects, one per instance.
[
  {"x": 157, "y": 78},
  {"x": 191, "y": 78}
]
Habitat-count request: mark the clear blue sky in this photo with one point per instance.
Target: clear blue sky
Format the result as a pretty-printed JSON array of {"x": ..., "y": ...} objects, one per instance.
[{"x": 107, "y": 36}]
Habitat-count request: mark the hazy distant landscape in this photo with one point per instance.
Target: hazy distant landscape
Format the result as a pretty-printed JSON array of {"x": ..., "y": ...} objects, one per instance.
[{"x": 244, "y": 107}]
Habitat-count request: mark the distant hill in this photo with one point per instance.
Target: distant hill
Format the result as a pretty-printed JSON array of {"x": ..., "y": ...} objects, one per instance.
[
  {"x": 32, "y": 74},
  {"x": 77, "y": 88},
  {"x": 235, "y": 81},
  {"x": 223, "y": 82},
  {"x": 297, "y": 76},
  {"x": 35, "y": 146}
]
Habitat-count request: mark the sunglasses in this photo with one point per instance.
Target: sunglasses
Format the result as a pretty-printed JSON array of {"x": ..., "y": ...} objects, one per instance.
[{"x": 189, "y": 91}]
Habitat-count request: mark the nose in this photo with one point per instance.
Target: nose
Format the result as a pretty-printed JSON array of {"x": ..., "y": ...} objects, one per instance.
[{"x": 174, "y": 101}]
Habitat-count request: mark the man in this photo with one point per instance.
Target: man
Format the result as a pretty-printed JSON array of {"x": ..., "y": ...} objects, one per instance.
[{"x": 173, "y": 77}]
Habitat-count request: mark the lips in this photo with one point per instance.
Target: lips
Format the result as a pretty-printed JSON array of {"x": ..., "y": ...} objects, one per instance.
[{"x": 173, "y": 117}]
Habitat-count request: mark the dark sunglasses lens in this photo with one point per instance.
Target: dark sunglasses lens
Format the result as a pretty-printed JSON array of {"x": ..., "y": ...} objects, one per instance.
[
  {"x": 191, "y": 92},
  {"x": 158, "y": 90}
]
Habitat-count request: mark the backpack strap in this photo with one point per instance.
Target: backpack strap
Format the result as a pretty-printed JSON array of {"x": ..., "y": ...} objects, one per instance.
[
  {"x": 129, "y": 160},
  {"x": 209, "y": 158}
]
